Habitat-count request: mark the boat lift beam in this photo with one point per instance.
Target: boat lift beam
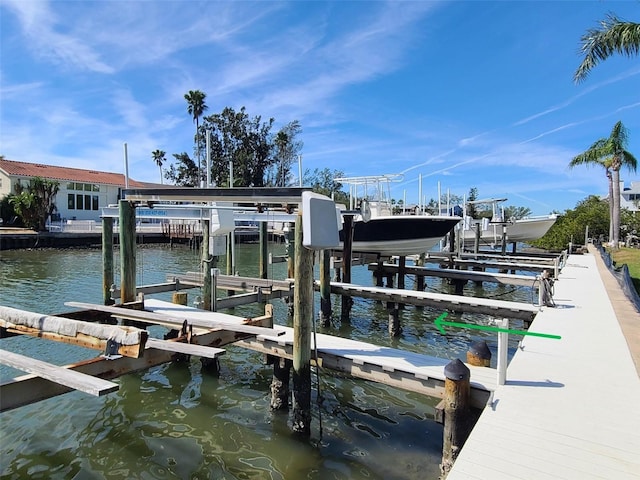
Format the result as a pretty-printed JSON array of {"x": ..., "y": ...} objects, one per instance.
[{"x": 290, "y": 195}]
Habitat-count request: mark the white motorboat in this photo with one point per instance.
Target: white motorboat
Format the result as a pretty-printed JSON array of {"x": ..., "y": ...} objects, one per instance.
[
  {"x": 492, "y": 230},
  {"x": 379, "y": 231}
]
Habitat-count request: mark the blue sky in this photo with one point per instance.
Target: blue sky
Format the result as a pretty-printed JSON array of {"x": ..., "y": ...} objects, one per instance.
[{"x": 467, "y": 94}]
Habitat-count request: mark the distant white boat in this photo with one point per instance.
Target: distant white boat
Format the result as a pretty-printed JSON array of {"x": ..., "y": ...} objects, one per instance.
[
  {"x": 381, "y": 232},
  {"x": 524, "y": 230}
]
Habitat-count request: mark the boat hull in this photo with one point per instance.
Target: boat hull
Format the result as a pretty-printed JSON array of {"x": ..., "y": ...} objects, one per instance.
[
  {"x": 521, "y": 231},
  {"x": 400, "y": 234}
]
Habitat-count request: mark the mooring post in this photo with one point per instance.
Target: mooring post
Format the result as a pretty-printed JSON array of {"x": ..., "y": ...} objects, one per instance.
[
  {"x": 107, "y": 260},
  {"x": 230, "y": 259},
  {"x": 479, "y": 354},
  {"x": 420, "y": 278},
  {"x": 347, "y": 245},
  {"x": 280, "y": 391},
  {"x": 206, "y": 265},
  {"x": 291, "y": 261},
  {"x": 456, "y": 412},
  {"x": 476, "y": 240},
  {"x": 402, "y": 271},
  {"x": 302, "y": 323},
  {"x": 325, "y": 287},
  {"x": 503, "y": 347},
  {"x": 394, "y": 320},
  {"x": 127, "y": 220},
  {"x": 264, "y": 252},
  {"x": 291, "y": 250}
]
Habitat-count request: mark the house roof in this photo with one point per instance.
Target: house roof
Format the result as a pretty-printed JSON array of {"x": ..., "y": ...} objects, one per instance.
[{"x": 25, "y": 169}]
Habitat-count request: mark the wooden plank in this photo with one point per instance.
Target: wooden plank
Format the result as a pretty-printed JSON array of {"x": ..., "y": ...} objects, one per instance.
[
  {"x": 488, "y": 306},
  {"x": 77, "y": 381},
  {"x": 187, "y": 348},
  {"x": 213, "y": 320},
  {"x": 501, "y": 278}
]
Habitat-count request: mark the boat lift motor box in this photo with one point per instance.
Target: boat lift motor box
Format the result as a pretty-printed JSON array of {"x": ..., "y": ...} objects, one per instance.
[{"x": 319, "y": 222}]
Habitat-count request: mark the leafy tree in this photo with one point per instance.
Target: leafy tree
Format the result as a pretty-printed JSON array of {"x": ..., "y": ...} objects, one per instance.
[
  {"x": 471, "y": 207},
  {"x": 196, "y": 107},
  {"x": 598, "y": 44},
  {"x": 35, "y": 204},
  {"x": 185, "y": 174},
  {"x": 323, "y": 182},
  {"x": 244, "y": 141},
  {"x": 610, "y": 153},
  {"x": 516, "y": 213},
  {"x": 591, "y": 212},
  {"x": 159, "y": 158},
  {"x": 287, "y": 148}
]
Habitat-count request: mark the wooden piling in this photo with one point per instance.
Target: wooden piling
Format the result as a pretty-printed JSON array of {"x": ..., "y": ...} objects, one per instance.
[
  {"x": 280, "y": 391},
  {"x": 394, "y": 321},
  {"x": 127, "y": 220},
  {"x": 325, "y": 287},
  {"x": 107, "y": 260},
  {"x": 347, "y": 245},
  {"x": 479, "y": 354},
  {"x": 206, "y": 265},
  {"x": 264, "y": 251},
  {"x": 230, "y": 260},
  {"x": 456, "y": 412},
  {"x": 302, "y": 322}
]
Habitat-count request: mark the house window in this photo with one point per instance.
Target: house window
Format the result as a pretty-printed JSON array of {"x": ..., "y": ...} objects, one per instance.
[
  {"x": 71, "y": 201},
  {"x": 80, "y": 202},
  {"x": 94, "y": 203}
]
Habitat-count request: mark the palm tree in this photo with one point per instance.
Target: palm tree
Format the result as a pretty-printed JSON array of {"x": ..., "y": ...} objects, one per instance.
[
  {"x": 611, "y": 154},
  {"x": 196, "y": 107},
  {"x": 598, "y": 44},
  {"x": 159, "y": 157}
]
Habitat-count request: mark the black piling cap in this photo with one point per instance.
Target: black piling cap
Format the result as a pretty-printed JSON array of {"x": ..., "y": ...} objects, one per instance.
[
  {"x": 456, "y": 370},
  {"x": 481, "y": 350}
]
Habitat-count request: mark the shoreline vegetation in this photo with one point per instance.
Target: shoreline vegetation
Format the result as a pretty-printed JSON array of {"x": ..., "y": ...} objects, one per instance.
[{"x": 630, "y": 257}]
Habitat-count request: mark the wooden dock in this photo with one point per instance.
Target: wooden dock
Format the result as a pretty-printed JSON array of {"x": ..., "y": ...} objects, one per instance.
[
  {"x": 569, "y": 408},
  {"x": 398, "y": 368}
]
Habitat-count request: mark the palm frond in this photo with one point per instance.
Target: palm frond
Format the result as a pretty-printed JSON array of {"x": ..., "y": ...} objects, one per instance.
[{"x": 598, "y": 44}]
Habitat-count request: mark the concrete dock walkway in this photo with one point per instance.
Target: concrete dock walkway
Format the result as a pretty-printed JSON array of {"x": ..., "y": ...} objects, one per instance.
[{"x": 570, "y": 408}]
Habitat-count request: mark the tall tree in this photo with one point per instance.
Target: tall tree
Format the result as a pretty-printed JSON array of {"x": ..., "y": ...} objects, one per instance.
[
  {"x": 185, "y": 174},
  {"x": 245, "y": 142},
  {"x": 287, "y": 148},
  {"x": 611, "y": 154},
  {"x": 159, "y": 157},
  {"x": 598, "y": 44},
  {"x": 196, "y": 107}
]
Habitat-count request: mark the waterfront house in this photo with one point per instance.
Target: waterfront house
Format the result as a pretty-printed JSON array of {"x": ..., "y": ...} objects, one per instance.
[{"x": 82, "y": 194}]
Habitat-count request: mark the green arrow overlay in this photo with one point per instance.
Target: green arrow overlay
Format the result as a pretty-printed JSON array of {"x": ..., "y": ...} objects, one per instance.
[{"x": 440, "y": 324}]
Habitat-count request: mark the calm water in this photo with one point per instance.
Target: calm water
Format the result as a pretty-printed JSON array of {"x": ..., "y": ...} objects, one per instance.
[{"x": 175, "y": 421}]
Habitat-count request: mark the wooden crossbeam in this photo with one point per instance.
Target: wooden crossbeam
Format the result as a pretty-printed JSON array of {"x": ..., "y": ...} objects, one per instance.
[
  {"x": 187, "y": 348},
  {"x": 176, "y": 322},
  {"x": 70, "y": 378}
]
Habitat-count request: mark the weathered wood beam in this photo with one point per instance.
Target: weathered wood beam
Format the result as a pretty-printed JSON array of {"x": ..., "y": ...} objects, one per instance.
[
  {"x": 187, "y": 348},
  {"x": 63, "y": 376},
  {"x": 130, "y": 340},
  {"x": 162, "y": 319}
]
